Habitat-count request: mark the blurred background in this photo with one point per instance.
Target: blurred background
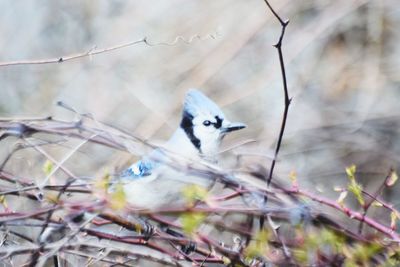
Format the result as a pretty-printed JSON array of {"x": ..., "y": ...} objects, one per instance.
[{"x": 342, "y": 61}]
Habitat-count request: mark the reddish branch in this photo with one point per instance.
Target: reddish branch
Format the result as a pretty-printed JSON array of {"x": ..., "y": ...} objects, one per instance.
[
  {"x": 349, "y": 212},
  {"x": 204, "y": 244},
  {"x": 373, "y": 197}
]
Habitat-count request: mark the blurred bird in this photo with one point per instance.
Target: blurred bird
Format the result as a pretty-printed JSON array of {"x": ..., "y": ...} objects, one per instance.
[{"x": 152, "y": 182}]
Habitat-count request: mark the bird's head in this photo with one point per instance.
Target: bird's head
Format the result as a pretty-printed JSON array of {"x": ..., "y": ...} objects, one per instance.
[{"x": 204, "y": 122}]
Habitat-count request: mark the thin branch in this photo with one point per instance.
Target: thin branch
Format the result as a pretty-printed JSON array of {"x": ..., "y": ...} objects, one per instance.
[
  {"x": 35, "y": 255},
  {"x": 50, "y": 158},
  {"x": 62, "y": 59},
  {"x": 373, "y": 198},
  {"x": 278, "y": 46},
  {"x": 350, "y": 213},
  {"x": 382, "y": 202},
  {"x": 94, "y": 51},
  {"x": 15, "y": 216}
]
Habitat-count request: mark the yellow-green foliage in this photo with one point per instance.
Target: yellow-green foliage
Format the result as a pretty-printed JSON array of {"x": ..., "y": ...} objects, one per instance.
[
  {"x": 314, "y": 241},
  {"x": 118, "y": 197},
  {"x": 193, "y": 193},
  {"x": 191, "y": 221},
  {"x": 48, "y": 167},
  {"x": 353, "y": 186},
  {"x": 259, "y": 246},
  {"x": 360, "y": 254}
]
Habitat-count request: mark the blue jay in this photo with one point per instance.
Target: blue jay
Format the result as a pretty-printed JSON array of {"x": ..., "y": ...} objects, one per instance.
[{"x": 150, "y": 183}]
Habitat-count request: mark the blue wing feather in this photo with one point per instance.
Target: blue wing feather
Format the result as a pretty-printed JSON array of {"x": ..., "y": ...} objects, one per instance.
[
  {"x": 138, "y": 170},
  {"x": 145, "y": 166}
]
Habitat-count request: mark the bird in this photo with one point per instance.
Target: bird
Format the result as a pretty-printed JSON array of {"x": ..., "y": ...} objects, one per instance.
[{"x": 151, "y": 182}]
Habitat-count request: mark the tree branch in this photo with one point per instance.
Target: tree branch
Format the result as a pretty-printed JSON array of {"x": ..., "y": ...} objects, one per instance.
[
  {"x": 278, "y": 46},
  {"x": 94, "y": 51}
]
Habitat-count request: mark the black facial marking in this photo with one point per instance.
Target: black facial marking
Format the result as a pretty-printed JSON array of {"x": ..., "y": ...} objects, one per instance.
[
  {"x": 218, "y": 124},
  {"x": 207, "y": 123},
  {"x": 187, "y": 126}
]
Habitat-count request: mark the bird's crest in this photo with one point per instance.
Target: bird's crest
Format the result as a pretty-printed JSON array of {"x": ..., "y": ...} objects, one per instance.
[{"x": 196, "y": 103}]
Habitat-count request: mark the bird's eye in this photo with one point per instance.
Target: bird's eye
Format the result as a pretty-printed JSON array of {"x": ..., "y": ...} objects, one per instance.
[{"x": 207, "y": 123}]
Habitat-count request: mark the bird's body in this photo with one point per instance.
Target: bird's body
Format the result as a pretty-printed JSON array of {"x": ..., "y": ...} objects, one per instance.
[{"x": 152, "y": 182}]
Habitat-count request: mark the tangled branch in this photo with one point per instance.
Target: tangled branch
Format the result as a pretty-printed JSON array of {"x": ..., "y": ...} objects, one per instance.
[{"x": 153, "y": 230}]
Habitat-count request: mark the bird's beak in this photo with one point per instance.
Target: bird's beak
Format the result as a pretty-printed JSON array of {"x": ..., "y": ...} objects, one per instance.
[{"x": 233, "y": 126}]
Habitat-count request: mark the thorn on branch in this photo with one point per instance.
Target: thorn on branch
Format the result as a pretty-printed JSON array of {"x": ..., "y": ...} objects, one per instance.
[{"x": 286, "y": 22}]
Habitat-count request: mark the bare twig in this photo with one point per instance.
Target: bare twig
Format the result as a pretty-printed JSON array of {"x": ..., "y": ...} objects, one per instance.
[
  {"x": 54, "y": 161},
  {"x": 94, "y": 51},
  {"x": 278, "y": 46},
  {"x": 35, "y": 255},
  {"x": 373, "y": 197},
  {"x": 62, "y": 59}
]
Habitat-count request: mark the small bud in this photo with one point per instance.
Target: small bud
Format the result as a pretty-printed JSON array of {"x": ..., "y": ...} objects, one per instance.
[{"x": 392, "y": 178}]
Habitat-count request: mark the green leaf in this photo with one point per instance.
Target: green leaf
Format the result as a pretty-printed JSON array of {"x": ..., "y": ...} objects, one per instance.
[
  {"x": 351, "y": 171},
  {"x": 353, "y": 186},
  {"x": 376, "y": 204},
  {"x": 301, "y": 255},
  {"x": 366, "y": 251},
  {"x": 118, "y": 197},
  {"x": 356, "y": 189},
  {"x": 335, "y": 240},
  {"x": 360, "y": 253},
  {"x": 259, "y": 247},
  {"x": 103, "y": 183},
  {"x": 191, "y": 221},
  {"x": 193, "y": 193},
  {"x": 226, "y": 260},
  {"x": 3, "y": 201},
  {"x": 48, "y": 167}
]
